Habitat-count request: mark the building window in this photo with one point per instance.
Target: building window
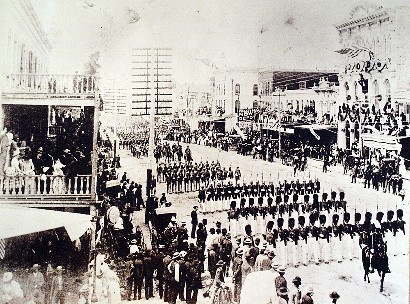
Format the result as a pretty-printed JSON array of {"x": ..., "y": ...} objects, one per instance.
[{"x": 255, "y": 90}]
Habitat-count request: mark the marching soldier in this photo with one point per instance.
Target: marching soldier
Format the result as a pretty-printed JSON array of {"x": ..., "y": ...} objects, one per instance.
[
  {"x": 348, "y": 237},
  {"x": 402, "y": 241},
  {"x": 325, "y": 234},
  {"x": 337, "y": 238},
  {"x": 293, "y": 242}
]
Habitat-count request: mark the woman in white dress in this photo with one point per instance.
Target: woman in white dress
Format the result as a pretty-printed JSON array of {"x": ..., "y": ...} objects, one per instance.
[{"x": 27, "y": 169}]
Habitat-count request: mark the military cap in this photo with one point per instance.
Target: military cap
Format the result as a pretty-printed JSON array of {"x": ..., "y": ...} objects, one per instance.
[
  {"x": 315, "y": 198},
  {"x": 357, "y": 217},
  {"x": 333, "y": 195},
  {"x": 346, "y": 217},
  {"x": 306, "y": 198},
  {"x": 312, "y": 218},
  {"x": 291, "y": 222},
  {"x": 368, "y": 216},
  {"x": 335, "y": 218},
  {"x": 280, "y": 222},
  {"x": 342, "y": 195},
  {"x": 286, "y": 198},
  {"x": 301, "y": 220},
  {"x": 324, "y": 196},
  {"x": 390, "y": 215},
  {"x": 400, "y": 213},
  {"x": 248, "y": 229},
  {"x": 379, "y": 216},
  {"x": 322, "y": 219},
  {"x": 278, "y": 199},
  {"x": 251, "y": 201},
  {"x": 295, "y": 197}
]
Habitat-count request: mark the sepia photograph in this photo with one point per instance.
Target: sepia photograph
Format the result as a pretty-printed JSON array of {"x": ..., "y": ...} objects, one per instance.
[{"x": 211, "y": 152}]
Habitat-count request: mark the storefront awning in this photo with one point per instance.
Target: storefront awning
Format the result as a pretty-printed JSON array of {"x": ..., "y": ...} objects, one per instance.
[{"x": 17, "y": 221}]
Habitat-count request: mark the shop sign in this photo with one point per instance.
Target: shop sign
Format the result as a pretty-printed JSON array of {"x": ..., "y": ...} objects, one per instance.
[{"x": 368, "y": 65}]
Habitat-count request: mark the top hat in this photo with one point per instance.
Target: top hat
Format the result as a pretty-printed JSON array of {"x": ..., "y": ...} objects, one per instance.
[{"x": 334, "y": 295}]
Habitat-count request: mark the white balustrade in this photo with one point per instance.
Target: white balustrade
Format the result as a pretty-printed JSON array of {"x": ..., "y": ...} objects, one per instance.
[
  {"x": 52, "y": 84},
  {"x": 44, "y": 185}
]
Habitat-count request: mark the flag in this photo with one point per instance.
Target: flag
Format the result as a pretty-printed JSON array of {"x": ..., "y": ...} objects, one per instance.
[
  {"x": 2, "y": 248},
  {"x": 354, "y": 51}
]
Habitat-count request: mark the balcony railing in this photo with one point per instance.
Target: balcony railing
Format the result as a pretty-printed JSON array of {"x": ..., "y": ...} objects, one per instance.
[
  {"x": 45, "y": 186},
  {"x": 50, "y": 84}
]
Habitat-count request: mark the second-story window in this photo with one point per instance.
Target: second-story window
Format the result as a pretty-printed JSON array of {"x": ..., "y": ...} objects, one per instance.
[{"x": 255, "y": 90}]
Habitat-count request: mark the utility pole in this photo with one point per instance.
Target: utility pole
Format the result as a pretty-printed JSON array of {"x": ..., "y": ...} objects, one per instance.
[{"x": 280, "y": 123}]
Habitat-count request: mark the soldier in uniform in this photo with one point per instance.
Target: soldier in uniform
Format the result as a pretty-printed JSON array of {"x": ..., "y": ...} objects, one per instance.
[
  {"x": 282, "y": 242},
  {"x": 293, "y": 242},
  {"x": 402, "y": 241},
  {"x": 303, "y": 241},
  {"x": 337, "y": 239},
  {"x": 347, "y": 239},
  {"x": 313, "y": 241}
]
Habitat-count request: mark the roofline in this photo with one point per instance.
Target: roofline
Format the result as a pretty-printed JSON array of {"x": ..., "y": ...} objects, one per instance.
[
  {"x": 363, "y": 19},
  {"x": 274, "y": 70}
]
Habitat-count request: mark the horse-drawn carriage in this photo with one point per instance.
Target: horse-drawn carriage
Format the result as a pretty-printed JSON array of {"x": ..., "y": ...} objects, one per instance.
[
  {"x": 118, "y": 237},
  {"x": 159, "y": 224}
]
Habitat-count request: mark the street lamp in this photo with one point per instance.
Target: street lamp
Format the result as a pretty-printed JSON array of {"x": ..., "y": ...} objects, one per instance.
[
  {"x": 279, "y": 89},
  {"x": 94, "y": 219}
]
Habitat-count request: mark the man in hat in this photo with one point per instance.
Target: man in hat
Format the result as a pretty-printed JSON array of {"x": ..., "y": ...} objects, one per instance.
[
  {"x": 280, "y": 280},
  {"x": 11, "y": 290},
  {"x": 307, "y": 298},
  {"x": 148, "y": 274},
  {"x": 58, "y": 286},
  {"x": 138, "y": 275},
  {"x": 237, "y": 274},
  {"x": 194, "y": 220},
  {"x": 295, "y": 295},
  {"x": 263, "y": 261},
  {"x": 36, "y": 282},
  {"x": 174, "y": 280},
  {"x": 334, "y": 296}
]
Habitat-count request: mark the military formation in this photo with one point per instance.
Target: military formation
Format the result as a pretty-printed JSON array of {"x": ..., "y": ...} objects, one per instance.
[{"x": 189, "y": 176}]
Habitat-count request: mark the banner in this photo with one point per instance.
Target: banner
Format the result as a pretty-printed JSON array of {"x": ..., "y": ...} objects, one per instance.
[{"x": 246, "y": 115}]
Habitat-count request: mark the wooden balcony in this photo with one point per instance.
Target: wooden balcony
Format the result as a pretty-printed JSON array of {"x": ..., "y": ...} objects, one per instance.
[
  {"x": 46, "y": 89},
  {"x": 43, "y": 189}
]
